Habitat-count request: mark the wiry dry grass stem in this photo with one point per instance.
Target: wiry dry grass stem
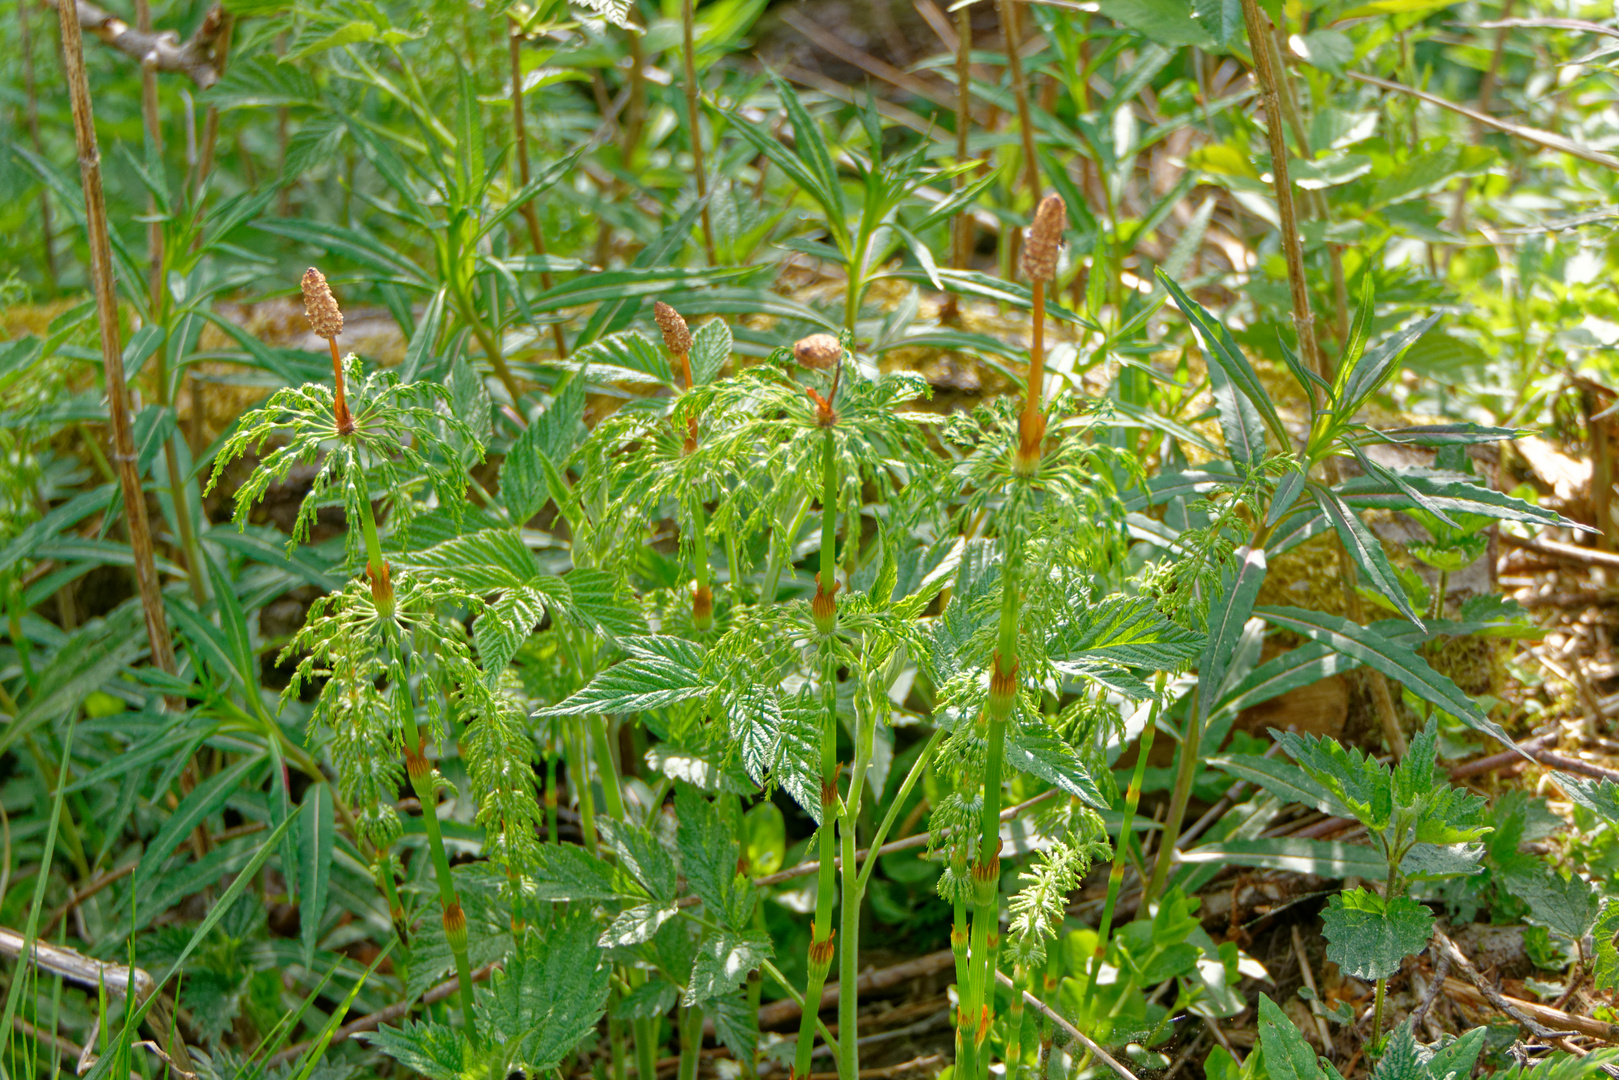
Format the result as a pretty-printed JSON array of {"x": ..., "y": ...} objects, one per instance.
[
  {"x": 95, "y": 212},
  {"x": 1304, "y": 325}
]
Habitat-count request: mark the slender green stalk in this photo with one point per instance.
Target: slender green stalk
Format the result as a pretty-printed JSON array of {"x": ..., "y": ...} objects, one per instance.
[
  {"x": 824, "y": 610},
  {"x": 691, "y": 1042},
  {"x": 688, "y": 54},
  {"x": 1014, "y": 1017},
  {"x": 1115, "y": 877},
  {"x": 423, "y": 784},
  {"x": 849, "y": 955},
  {"x": 702, "y": 593},
  {"x": 966, "y": 1020}
]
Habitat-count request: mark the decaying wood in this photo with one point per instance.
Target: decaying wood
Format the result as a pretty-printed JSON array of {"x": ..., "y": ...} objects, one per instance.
[
  {"x": 193, "y": 58},
  {"x": 1568, "y": 553}
]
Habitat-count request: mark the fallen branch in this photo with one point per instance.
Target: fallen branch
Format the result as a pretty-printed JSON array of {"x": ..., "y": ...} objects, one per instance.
[
  {"x": 906, "y": 844},
  {"x": 1544, "y": 139},
  {"x": 163, "y": 49},
  {"x": 1556, "y": 549},
  {"x": 781, "y": 1012},
  {"x": 1073, "y": 1032},
  {"x": 1541, "y": 1021},
  {"x": 372, "y": 1021}
]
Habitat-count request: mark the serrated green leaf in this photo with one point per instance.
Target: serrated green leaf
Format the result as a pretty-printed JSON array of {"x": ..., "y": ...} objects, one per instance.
[
  {"x": 649, "y": 681},
  {"x": 1036, "y": 749},
  {"x": 1567, "y": 906},
  {"x": 636, "y": 925},
  {"x": 548, "y": 997},
  {"x": 724, "y": 959},
  {"x": 1287, "y": 1055},
  {"x": 1368, "y": 938},
  {"x": 710, "y": 349}
]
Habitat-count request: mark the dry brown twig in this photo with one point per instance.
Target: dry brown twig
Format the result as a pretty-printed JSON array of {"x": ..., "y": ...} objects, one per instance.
[{"x": 193, "y": 57}]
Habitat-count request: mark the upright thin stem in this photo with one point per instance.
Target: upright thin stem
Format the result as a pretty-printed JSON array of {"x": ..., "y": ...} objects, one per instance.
[
  {"x": 962, "y": 232},
  {"x": 31, "y": 120},
  {"x": 1115, "y": 877},
  {"x": 95, "y": 212},
  {"x": 824, "y": 610},
  {"x": 688, "y": 53},
  {"x": 1020, "y": 91},
  {"x": 1304, "y": 325},
  {"x": 531, "y": 217},
  {"x": 210, "y": 125}
]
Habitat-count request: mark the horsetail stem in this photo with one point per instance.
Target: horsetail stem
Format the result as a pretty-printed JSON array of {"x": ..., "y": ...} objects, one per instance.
[
  {"x": 677, "y": 339},
  {"x": 1115, "y": 877},
  {"x": 823, "y": 609}
]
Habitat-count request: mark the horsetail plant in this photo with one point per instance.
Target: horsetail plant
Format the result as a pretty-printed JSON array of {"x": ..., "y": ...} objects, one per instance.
[{"x": 387, "y": 650}]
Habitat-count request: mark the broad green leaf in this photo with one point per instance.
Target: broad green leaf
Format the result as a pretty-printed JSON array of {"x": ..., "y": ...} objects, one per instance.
[
  {"x": 642, "y": 854},
  {"x": 1282, "y": 779},
  {"x": 1036, "y": 749},
  {"x": 1223, "y": 351},
  {"x": 549, "y": 996},
  {"x": 1287, "y": 1055},
  {"x": 1368, "y": 938},
  {"x": 567, "y": 873},
  {"x": 1567, "y": 906},
  {"x": 724, "y": 959},
  {"x": 708, "y": 853},
  {"x": 1606, "y": 971},
  {"x": 1240, "y": 423}
]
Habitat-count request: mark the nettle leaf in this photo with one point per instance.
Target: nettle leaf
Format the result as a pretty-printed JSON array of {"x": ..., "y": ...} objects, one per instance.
[
  {"x": 566, "y": 872},
  {"x": 660, "y": 671},
  {"x": 736, "y": 1025},
  {"x": 1601, "y": 797},
  {"x": 1436, "y": 862},
  {"x": 1606, "y": 971},
  {"x": 1567, "y": 907},
  {"x": 1130, "y": 631},
  {"x": 437, "y": 1051},
  {"x": 724, "y": 959},
  {"x": 1368, "y": 938},
  {"x": 600, "y": 602},
  {"x": 1221, "y": 18},
  {"x": 635, "y": 925},
  {"x": 1036, "y": 749},
  {"x": 710, "y": 349},
  {"x": 533, "y": 468},
  {"x": 641, "y": 854},
  {"x": 653, "y": 998},
  {"x": 1356, "y": 780},
  {"x": 550, "y": 995},
  {"x": 708, "y": 855}
]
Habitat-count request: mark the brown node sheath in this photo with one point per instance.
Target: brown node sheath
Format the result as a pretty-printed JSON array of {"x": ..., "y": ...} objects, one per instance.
[
  {"x": 326, "y": 320},
  {"x": 824, "y": 605}
]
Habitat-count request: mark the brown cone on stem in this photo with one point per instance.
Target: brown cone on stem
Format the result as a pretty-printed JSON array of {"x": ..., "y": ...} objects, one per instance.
[
  {"x": 677, "y": 339},
  {"x": 1041, "y": 247},
  {"x": 326, "y": 320}
]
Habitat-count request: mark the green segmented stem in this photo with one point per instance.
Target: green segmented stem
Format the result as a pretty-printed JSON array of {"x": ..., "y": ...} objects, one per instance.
[{"x": 1115, "y": 877}]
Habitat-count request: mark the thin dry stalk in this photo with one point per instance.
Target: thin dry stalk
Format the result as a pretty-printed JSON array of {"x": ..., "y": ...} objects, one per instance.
[
  {"x": 1020, "y": 91},
  {"x": 536, "y": 238},
  {"x": 688, "y": 53},
  {"x": 210, "y": 126},
  {"x": 112, "y": 359},
  {"x": 1304, "y": 324},
  {"x": 31, "y": 121},
  {"x": 962, "y": 232}
]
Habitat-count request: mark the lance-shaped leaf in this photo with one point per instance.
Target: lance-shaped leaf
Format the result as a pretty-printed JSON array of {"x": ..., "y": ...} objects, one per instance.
[
  {"x": 1395, "y": 660},
  {"x": 1124, "y": 630},
  {"x": 1037, "y": 750},
  {"x": 1223, "y": 351},
  {"x": 1240, "y": 423},
  {"x": 1365, "y": 549},
  {"x": 1227, "y": 616},
  {"x": 1368, "y": 938},
  {"x": 1282, "y": 779},
  {"x": 1450, "y": 492},
  {"x": 1379, "y": 363}
]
